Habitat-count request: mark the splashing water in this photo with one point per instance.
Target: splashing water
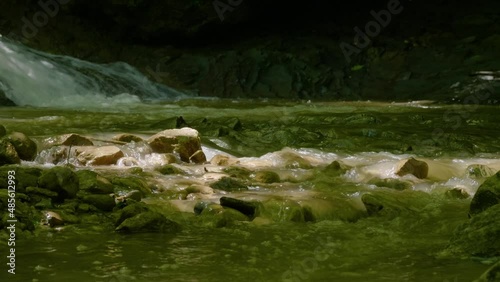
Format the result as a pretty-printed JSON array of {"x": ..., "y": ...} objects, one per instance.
[{"x": 32, "y": 78}]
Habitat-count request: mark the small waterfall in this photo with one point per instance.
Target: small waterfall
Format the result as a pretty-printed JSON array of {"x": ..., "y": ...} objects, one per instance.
[{"x": 32, "y": 78}]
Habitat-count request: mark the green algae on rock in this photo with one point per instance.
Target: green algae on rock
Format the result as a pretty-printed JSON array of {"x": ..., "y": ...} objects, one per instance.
[{"x": 487, "y": 195}]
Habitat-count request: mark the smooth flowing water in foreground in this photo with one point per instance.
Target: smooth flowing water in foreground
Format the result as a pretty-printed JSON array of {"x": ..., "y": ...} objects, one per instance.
[{"x": 369, "y": 137}]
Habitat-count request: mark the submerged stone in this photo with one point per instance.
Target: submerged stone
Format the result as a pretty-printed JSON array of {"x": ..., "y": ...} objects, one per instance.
[
  {"x": 61, "y": 180},
  {"x": 25, "y": 147},
  {"x": 480, "y": 236},
  {"x": 267, "y": 177},
  {"x": 282, "y": 210},
  {"x": 148, "y": 221},
  {"x": 487, "y": 195},
  {"x": 223, "y": 160},
  {"x": 170, "y": 169},
  {"x": 245, "y": 207},
  {"x": 229, "y": 184}
]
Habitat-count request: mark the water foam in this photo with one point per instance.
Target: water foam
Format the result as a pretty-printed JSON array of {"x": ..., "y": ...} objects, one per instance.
[{"x": 32, "y": 78}]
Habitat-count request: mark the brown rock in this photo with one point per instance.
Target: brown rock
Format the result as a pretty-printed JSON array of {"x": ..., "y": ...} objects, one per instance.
[
  {"x": 68, "y": 140},
  {"x": 223, "y": 160},
  {"x": 107, "y": 155},
  {"x": 25, "y": 147},
  {"x": 8, "y": 154},
  {"x": 127, "y": 138},
  {"x": 185, "y": 141},
  {"x": 198, "y": 157},
  {"x": 419, "y": 169}
]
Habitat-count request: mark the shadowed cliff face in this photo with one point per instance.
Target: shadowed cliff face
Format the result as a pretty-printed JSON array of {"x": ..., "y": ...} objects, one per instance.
[{"x": 382, "y": 50}]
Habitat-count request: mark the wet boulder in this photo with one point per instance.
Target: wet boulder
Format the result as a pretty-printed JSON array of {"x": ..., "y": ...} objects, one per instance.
[
  {"x": 148, "y": 221},
  {"x": 419, "y": 169},
  {"x": 25, "y": 147},
  {"x": 480, "y": 236},
  {"x": 229, "y": 184},
  {"x": 102, "y": 202},
  {"x": 198, "y": 157},
  {"x": 8, "y": 154},
  {"x": 70, "y": 139},
  {"x": 185, "y": 141},
  {"x": 247, "y": 208},
  {"x": 93, "y": 183},
  {"x": 266, "y": 176},
  {"x": 106, "y": 155},
  {"x": 127, "y": 138},
  {"x": 487, "y": 195},
  {"x": 61, "y": 180}
]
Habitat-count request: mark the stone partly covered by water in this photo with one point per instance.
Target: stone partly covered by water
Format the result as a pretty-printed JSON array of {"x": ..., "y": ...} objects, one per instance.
[
  {"x": 185, "y": 141},
  {"x": 106, "y": 155}
]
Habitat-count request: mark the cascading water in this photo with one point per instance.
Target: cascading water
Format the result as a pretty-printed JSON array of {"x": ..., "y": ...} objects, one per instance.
[{"x": 32, "y": 78}]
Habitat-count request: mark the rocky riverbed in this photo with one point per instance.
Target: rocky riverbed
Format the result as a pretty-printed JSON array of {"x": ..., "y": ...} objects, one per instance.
[{"x": 198, "y": 184}]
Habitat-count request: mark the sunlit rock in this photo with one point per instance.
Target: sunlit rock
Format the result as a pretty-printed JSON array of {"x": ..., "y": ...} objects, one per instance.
[
  {"x": 25, "y": 147},
  {"x": 8, "y": 154},
  {"x": 93, "y": 183},
  {"x": 127, "y": 138},
  {"x": 107, "y": 155},
  {"x": 419, "y": 169},
  {"x": 480, "y": 237},
  {"x": 52, "y": 219},
  {"x": 487, "y": 195},
  {"x": 184, "y": 141},
  {"x": 61, "y": 180}
]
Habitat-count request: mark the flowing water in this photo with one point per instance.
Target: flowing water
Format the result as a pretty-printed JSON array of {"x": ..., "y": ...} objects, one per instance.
[{"x": 295, "y": 139}]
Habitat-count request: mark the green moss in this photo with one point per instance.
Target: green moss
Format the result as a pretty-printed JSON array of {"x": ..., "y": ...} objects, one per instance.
[{"x": 229, "y": 184}]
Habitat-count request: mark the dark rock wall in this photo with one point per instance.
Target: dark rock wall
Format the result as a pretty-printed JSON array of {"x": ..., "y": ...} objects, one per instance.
[{"x": 276, "y": 49}]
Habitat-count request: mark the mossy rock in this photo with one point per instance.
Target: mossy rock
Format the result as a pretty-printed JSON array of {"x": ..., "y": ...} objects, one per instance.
[
  {"x": 25, "y": 147},
  {"x": 392, "y": 183},
  {"x": 282, "y": 210},
  {"x": 8, "y": 153},
  {"x": 267, "y": 177},
  {"x": 487, "y": 195},
  {"x": 102, "y": 202},
  {"x": 25, "y": 177},
  {"x": 480, "y": 237},
  {"x": 238, "y": 172},
  {"x": 148, "y": 221},
  {"x": 40, "y": 191},
  {"x": 130, "y": 211},
  {"x": 92, "y": 182},
  {"x": 229, "y": 184},
  {"x": 61, "y": 180},
  {"x": 247, "y": 208},
  {"x": 131, "y": 183},
  {"x": 334, "y": 169},
  {"x": 169, "y": 169}
]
